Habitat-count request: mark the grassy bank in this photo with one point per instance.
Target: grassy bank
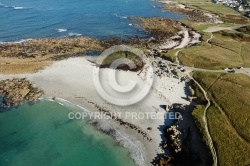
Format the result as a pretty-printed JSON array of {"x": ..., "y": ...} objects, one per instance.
[
  {"x": 217, "y": 50},
  {"x": 123, "y": 59},
  {"x": 207, "y": 5},
  {"x": 225, "y": 49},
  {"x": 228, "y": 117}
]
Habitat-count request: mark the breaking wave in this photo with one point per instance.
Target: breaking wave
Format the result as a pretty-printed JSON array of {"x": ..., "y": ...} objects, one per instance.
[
  {"x": 13, "y": 7},
  {"x": 61, "y": 30},
  {"x": 74, "y": 34},
  {"x": 135, "y": 147},
  {"x": 121, "y": 17},
  {"x": 16, "y": 42}
]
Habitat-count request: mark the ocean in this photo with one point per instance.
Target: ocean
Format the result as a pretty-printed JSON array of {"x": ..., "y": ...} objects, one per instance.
[
  {"x": 27, "y": 19},
  {"x": 41, "y": 133}
]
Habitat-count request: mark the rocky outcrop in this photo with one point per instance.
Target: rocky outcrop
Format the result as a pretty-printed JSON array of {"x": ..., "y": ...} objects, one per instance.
[
  {"x": 174, "y": 143},
  {"x": 159, "y": 28},
  {"x": 194, "y": 14},
  {"x": 34, "y": 55},
  {"x": 166, "y": 69},
  {"x": 166, "y": 160},
  {"x": 49, "y": 49},
  {"x": 15, "y": 91}
]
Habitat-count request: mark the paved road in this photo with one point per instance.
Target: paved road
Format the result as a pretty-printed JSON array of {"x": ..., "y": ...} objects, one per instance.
[
  {"x": 243, "y": 71},
  {"x": 220, "y": 28}
]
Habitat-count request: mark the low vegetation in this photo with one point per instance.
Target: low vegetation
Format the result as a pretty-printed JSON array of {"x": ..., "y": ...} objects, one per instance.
[
  {"x": 225, "y": 49},
  {"x": 198, "y": 113},
  {"x": 231, "y": 149},
  {"x": 207, "y": 5},
  {"x": 236, "y": 19},
  {"x": 244, "y": 29},
  {"x": 229, "y": 116},
  {"x": 128, "y": 61}
]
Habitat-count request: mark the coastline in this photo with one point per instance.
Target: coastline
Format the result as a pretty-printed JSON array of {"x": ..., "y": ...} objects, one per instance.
[
  {"x": 109, "y": 127},
  {"x": 70, "y": 79},
  {"x": 67, "y": 79},
  {"x": 63, "y": 79}
]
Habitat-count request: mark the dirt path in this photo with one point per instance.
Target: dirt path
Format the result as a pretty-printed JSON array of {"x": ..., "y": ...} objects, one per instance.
[
  {"x": 190, "y": 69},
  {"x": 185, "y": 41},
  {"x": 211, "y": 145},
  {"x": 209, "y": 40},
  {"x": 218, "y": 28}
]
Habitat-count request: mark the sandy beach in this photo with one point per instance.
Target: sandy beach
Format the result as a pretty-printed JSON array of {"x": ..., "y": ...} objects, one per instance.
[{"x": 71, "y": 80}]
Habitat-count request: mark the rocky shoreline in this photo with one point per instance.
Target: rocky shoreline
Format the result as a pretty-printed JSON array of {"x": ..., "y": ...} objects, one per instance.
[
  {"x": 49, "y": 49},
  {"x": 44, "y": 50},
  {"x": 15, "y": 91},
  {"x": 194, "y": 14},
  {"x": 33, "y": 55}
]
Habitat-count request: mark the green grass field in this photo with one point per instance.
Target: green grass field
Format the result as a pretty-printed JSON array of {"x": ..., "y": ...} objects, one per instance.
[
  {"x": 207, "y": 5},
  {"x": 221, "y": 52},
  {"x": 123, "y": 58},
  {"x": 229, "y": 115}
]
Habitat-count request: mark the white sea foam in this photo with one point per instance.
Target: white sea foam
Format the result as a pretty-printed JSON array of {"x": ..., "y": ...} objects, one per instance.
[
  {"x": 18, "y": 7},
  {"x": 16, "y": 42},
  {"x": 61, "y": 103},
  {"x": 75, "y": 34},
  {"x": 13, "y": 7},
  {"x": 135, "y": 147},
  {"x": 61, "y": 30},
  {"x": 122, "y": 17}
]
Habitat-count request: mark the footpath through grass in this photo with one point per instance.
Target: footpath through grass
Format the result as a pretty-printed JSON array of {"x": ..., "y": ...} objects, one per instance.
[
  {"x": 229, "y": 116},
  {"x": 225, "y": 49}
]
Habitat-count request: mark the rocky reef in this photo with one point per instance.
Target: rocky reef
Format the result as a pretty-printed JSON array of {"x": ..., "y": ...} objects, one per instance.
[
  {"x": 33, "y": 55},
  {"x": 15, "y": 91},
  {"x": 159, "y": 28},
  {"x": 49, "y": 48},
  {"x": 193, "y": 13}
]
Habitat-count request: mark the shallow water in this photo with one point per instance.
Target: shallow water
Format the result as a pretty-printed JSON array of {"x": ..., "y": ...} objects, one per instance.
[
  {"x": 97, "y": 18},
  {"x": 42, "y": 134}
]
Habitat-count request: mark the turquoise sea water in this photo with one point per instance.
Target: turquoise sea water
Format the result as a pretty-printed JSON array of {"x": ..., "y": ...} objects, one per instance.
[
  {"x": 24, "y": 19},
  {"x": 42, "y": 135}
]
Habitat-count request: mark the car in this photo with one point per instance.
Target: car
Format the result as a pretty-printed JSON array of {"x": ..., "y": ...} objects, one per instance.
[
  {"x": 231, "y": 71},
  {"x": 183, "y": 69}
]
